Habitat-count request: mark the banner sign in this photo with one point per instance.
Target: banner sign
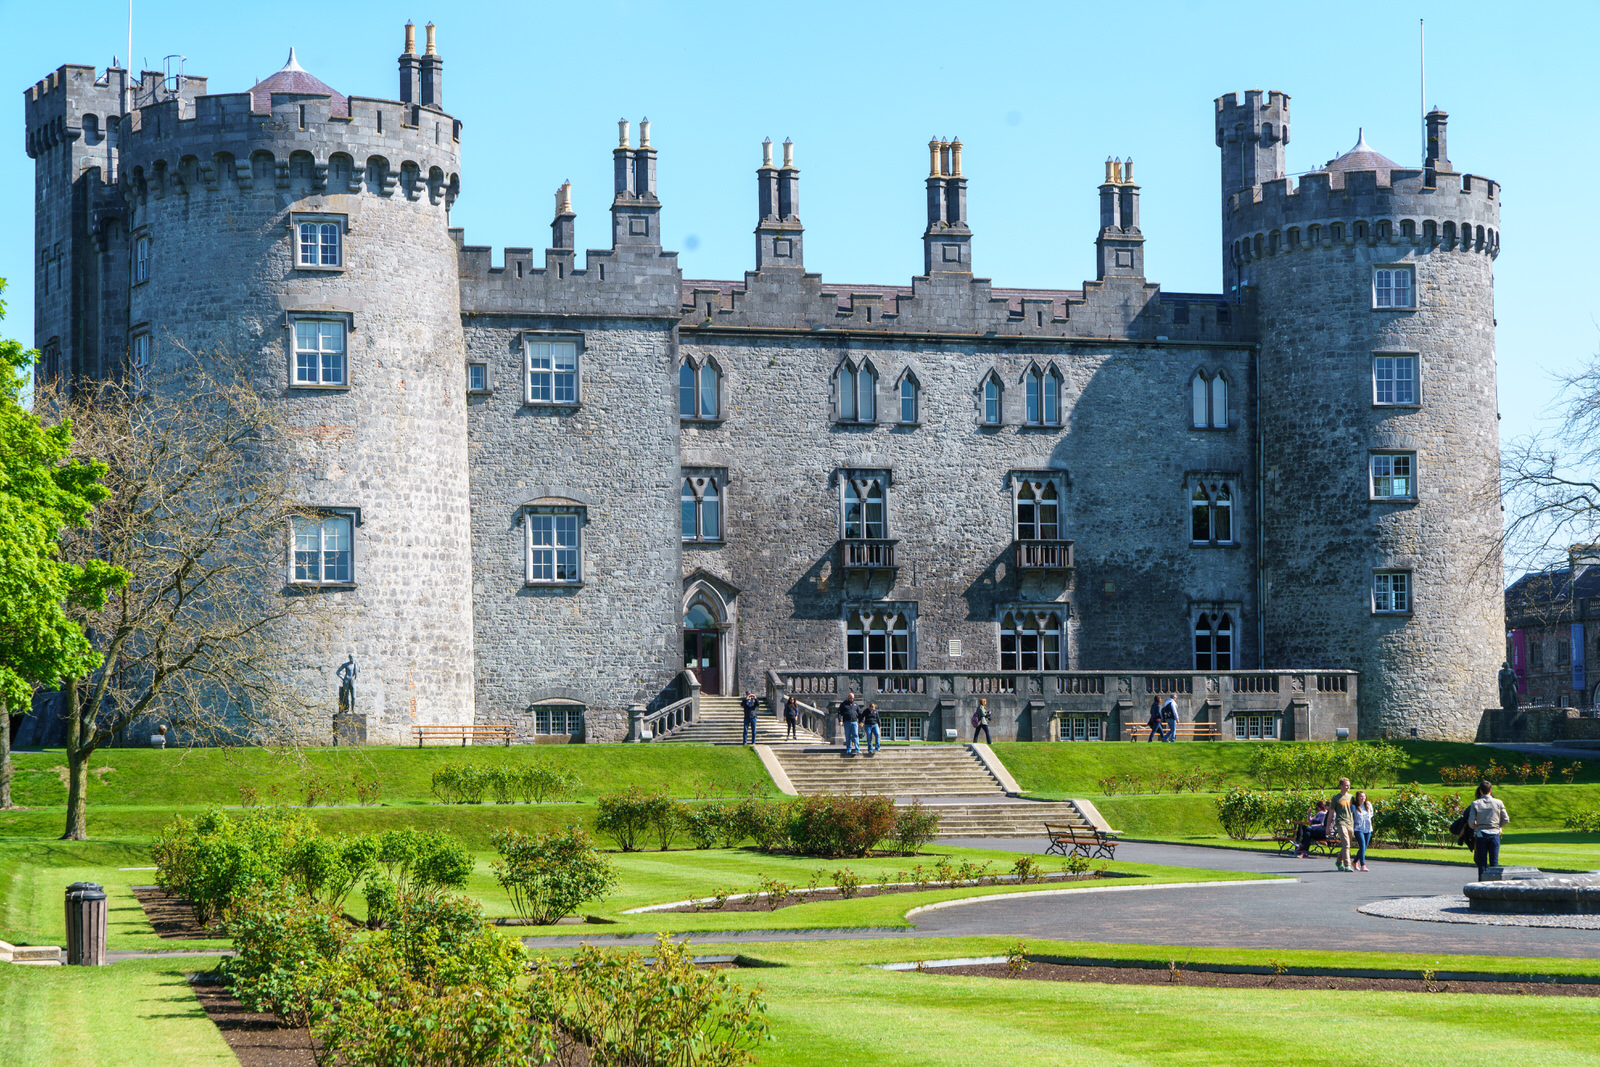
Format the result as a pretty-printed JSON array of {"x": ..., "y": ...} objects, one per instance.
[
  {"x": 1519, "y": 659},
  {"x": 1579, "y": 682}
]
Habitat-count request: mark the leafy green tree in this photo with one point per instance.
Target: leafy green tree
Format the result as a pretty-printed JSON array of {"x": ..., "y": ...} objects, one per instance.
[{"x": 42, "y": 493}]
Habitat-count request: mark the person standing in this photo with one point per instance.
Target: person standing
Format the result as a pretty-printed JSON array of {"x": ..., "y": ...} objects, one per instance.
[
  {"x": 1362, "y": 813},
  {"x": 1154, "y": 722},
  {"x": 870, "y": 720},
  {"x": 980, "y": 721},
  {"x": 1341, "y": 822},
  {"x": 1169, "y": 720},
  {"x": 750, "y": 705},
  {"x": 850, "y": 716},
  {"x": 791, "y": 717},
  {"x": 1486, "y": 816}
]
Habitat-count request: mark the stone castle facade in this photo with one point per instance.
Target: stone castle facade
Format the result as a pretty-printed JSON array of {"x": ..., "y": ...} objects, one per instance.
[{"x": 546, "y": 489}]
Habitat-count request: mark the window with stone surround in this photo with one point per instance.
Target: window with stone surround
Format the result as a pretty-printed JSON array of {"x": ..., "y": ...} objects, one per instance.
[
  {"x": 554, "y": 541},
  {"x": 477, "y": 377},
  {"x": 699, "y": 390},
  {"x": 1391, "y": 592},
  {"x": 864, "y": 507},
  {"x": 320, "y": 351},
  {"x": 1394, "y": 475},
  {"x": 319, "y": 242},
  {"x": 1208, "y": 401},
  {"x": 1043, "y": 388},
  {"x": 1394, "y": 379},
  {"x": 702, "y": 496},
  {"x": 1211, "y": 517},
  {"x": 910, "y": 400},
  {"x": 993, "y": 400},
  {"x": 1392, "y": 288},
  {"x": 1213, "y": 640},
  {"x": 881, "y": 638},
  {"x": 551, "y": 365},
  {"x": 558, "y": 717},
  {"x": 322, "y": 547},
  {"x": 1038, "y": 507},
  {"x": 858, "y": 392},
  {"x": 141, "y": 259},
  {"x": 1255, "y": 727},
  {"x": 1082, "y": 727},
  {"x": 138, "y": 360},
  {"x": 1031, "y": 639}
]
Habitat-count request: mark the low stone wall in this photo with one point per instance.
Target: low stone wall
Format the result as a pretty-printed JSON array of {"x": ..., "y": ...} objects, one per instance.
[{"x": 1538, "y": 725}]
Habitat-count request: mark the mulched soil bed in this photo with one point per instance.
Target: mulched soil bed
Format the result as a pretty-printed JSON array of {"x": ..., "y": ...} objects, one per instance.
[
  {"x": 1062, "y": 972},
  {"x": 828, "y": 893},
  {"x": 257, "y": 1039},
  {"x": 172, "y": 916}
]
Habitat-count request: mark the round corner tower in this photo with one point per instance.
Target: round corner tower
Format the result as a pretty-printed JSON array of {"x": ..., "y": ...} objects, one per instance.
[
  {"x": 307, "y": 234},
  {"x": 1373, "y": 287}
]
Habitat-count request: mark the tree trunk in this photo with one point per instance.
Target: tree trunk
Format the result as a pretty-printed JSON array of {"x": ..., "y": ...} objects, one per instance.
[
  {"x": 5, "y": 756},
  {"x": 79, "y": 749}
]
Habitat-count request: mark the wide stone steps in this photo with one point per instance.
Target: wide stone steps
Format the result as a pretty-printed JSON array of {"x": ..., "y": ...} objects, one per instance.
[
  {"x": 898, "y": 771},
  {"x": 721, "y": 722},
  {"x": 1015, "y": 819}
]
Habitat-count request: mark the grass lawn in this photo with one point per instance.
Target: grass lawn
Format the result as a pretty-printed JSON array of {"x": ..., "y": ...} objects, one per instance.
[
  {"x": 828, "y": 1008},
  {"x": 205, "y": 777},
  {"x": 139, "y": 1013}
]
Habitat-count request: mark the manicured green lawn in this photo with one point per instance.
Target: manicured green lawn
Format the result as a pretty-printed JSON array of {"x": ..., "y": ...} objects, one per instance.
[
  {"x": 827, "y": 1008},
  {"x": 213, "y": 776},
  {"x": 139, "y": 1013}
]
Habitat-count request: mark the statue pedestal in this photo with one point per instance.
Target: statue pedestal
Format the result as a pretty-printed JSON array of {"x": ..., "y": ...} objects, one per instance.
[{"x": 349, "y": 729}]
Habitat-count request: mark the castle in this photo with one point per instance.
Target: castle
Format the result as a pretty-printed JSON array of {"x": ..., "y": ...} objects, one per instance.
[{"x": 578, "y": 494}]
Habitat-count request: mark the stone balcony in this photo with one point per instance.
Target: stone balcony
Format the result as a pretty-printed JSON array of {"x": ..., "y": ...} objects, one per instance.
[
  {"x": 867, "y": 554},
  {"x": 1037, "y": 556}
]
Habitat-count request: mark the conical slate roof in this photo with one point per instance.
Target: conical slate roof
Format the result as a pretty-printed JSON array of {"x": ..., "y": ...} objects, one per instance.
[
  {"x": 295, "y": 79},
  {"x": 1362, "y": 157}
]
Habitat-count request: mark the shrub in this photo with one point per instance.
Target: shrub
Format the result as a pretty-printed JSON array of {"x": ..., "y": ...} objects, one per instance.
[
  {"x": 629, "y": 1010},
  {"x": 419, "y": 863},
  {"x": 551, "y": 875},
  {"x": 626, "y": 816},
  {"x": 762, "y": 821},
  {"x": 847, "y": 882},
  {"x": 539, "y": 784},
  {"x": 1570, "y": 770},
  {"x": 829, "y": 825},
  {"x": 464, "y": 784},
  {"x": 775, "y": 891},
  {"x": 1587, "y": 822},
  {"x": 368, "y": 790},
  {"x": 1241, "y": 812},
  {"x": 213, "y": 859},
  {"x": 914, "y": 826},
  {"x": 282, "y": 943},
  {"x": 1026, "y": 868},
  {"x": 666, "y": 819},
  {"x": 708, "y": 824},
  {"x": 1409, "y": 817},
  {"x": 327, "y": 869},
  {"x": 1318, "y": 764}
]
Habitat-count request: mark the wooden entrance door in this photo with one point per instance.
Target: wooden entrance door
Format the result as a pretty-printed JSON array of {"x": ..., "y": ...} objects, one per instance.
[{"x": 700, "y": 655}]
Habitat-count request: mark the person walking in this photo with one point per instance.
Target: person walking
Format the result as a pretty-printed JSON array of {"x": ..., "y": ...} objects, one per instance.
[
  {"x": 1485, "y": 817},
  {"x": 1361, "y": 811},
  {"x": 850, "y": 716},
  {"x": 1154, "y": 722},
  {"x": 791, "y": 717},
  {"x": 1169, "y": 720},
  {"x": 980, "y": 721},
  {"x": 750, "y": 705},
  {"x": 869, "y": 719},
  {"x": 1341, "y": 823}
]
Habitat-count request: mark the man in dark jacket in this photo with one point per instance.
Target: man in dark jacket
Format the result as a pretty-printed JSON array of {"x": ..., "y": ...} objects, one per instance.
[
  {"x": 850, "y": 716},
  {"x": 750, "y": 705},
  {"x": 870, "y": 720}
]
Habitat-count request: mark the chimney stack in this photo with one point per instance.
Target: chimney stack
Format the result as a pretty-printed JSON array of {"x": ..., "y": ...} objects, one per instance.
[
  {"x": 432, "y": 94},
  {"x": 410, "y": 68}
]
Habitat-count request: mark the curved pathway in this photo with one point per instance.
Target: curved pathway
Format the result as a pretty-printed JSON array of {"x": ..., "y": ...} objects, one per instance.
[{"x": 1316, "y": 912}]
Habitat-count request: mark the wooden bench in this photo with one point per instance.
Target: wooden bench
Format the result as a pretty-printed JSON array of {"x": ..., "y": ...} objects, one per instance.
[
  {"x": 1079, "y": 841},
  {"x": 1192, "y": 731},
  {"x": 1319, "y": 845},
  {"x": 478, "y": 733}
]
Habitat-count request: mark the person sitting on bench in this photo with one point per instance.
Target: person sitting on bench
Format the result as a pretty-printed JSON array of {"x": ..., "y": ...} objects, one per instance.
[{"x": 1312, "y": 830}]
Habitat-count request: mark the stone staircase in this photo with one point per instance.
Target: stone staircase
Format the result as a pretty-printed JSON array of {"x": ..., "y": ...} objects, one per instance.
[
  {"x": 721, "y": 722},
  {"x": 949, "y": 779}
]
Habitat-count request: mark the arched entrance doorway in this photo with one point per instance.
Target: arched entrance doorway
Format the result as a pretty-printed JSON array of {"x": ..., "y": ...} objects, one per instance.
[{"x": 702, "y": 647}]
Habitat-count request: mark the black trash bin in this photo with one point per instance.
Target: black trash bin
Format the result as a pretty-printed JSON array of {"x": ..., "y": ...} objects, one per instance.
[{"x": 86, "y": 925}]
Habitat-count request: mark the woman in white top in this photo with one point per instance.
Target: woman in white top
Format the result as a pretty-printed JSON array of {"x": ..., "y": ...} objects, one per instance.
[
  {"x": 1486, "y": 816},
  {"x": 1362, "y": 810}
]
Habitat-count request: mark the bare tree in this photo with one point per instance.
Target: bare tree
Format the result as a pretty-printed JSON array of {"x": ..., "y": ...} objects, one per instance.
[
  {"x": 195, "y": 462},
  {"x": 1550, "y": 482}
]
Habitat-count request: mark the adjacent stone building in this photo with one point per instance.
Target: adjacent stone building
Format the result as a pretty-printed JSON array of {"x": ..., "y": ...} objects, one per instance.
[{"x": 554, "y": 488}]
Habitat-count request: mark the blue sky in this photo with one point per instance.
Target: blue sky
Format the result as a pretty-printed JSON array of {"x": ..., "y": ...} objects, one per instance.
[{"x": 1040, "y": 94}]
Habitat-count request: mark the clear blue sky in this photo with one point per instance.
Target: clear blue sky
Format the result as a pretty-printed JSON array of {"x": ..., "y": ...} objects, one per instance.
[{"x": 1039, "y": 93}]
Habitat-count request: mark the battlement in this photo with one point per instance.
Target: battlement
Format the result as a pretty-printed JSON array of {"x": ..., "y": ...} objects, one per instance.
[
  {"x": 1325, "y": 210},
  {"x": 629, "y": 280},
  {"x": 381, "y": 146},
  {"x": 73, "y": 103}
]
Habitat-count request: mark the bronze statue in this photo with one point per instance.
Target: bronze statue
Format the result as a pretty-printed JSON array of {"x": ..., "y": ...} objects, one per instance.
[
  {"x": 1508, "y": 687},
  {"x": 347, "y": 672}
]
